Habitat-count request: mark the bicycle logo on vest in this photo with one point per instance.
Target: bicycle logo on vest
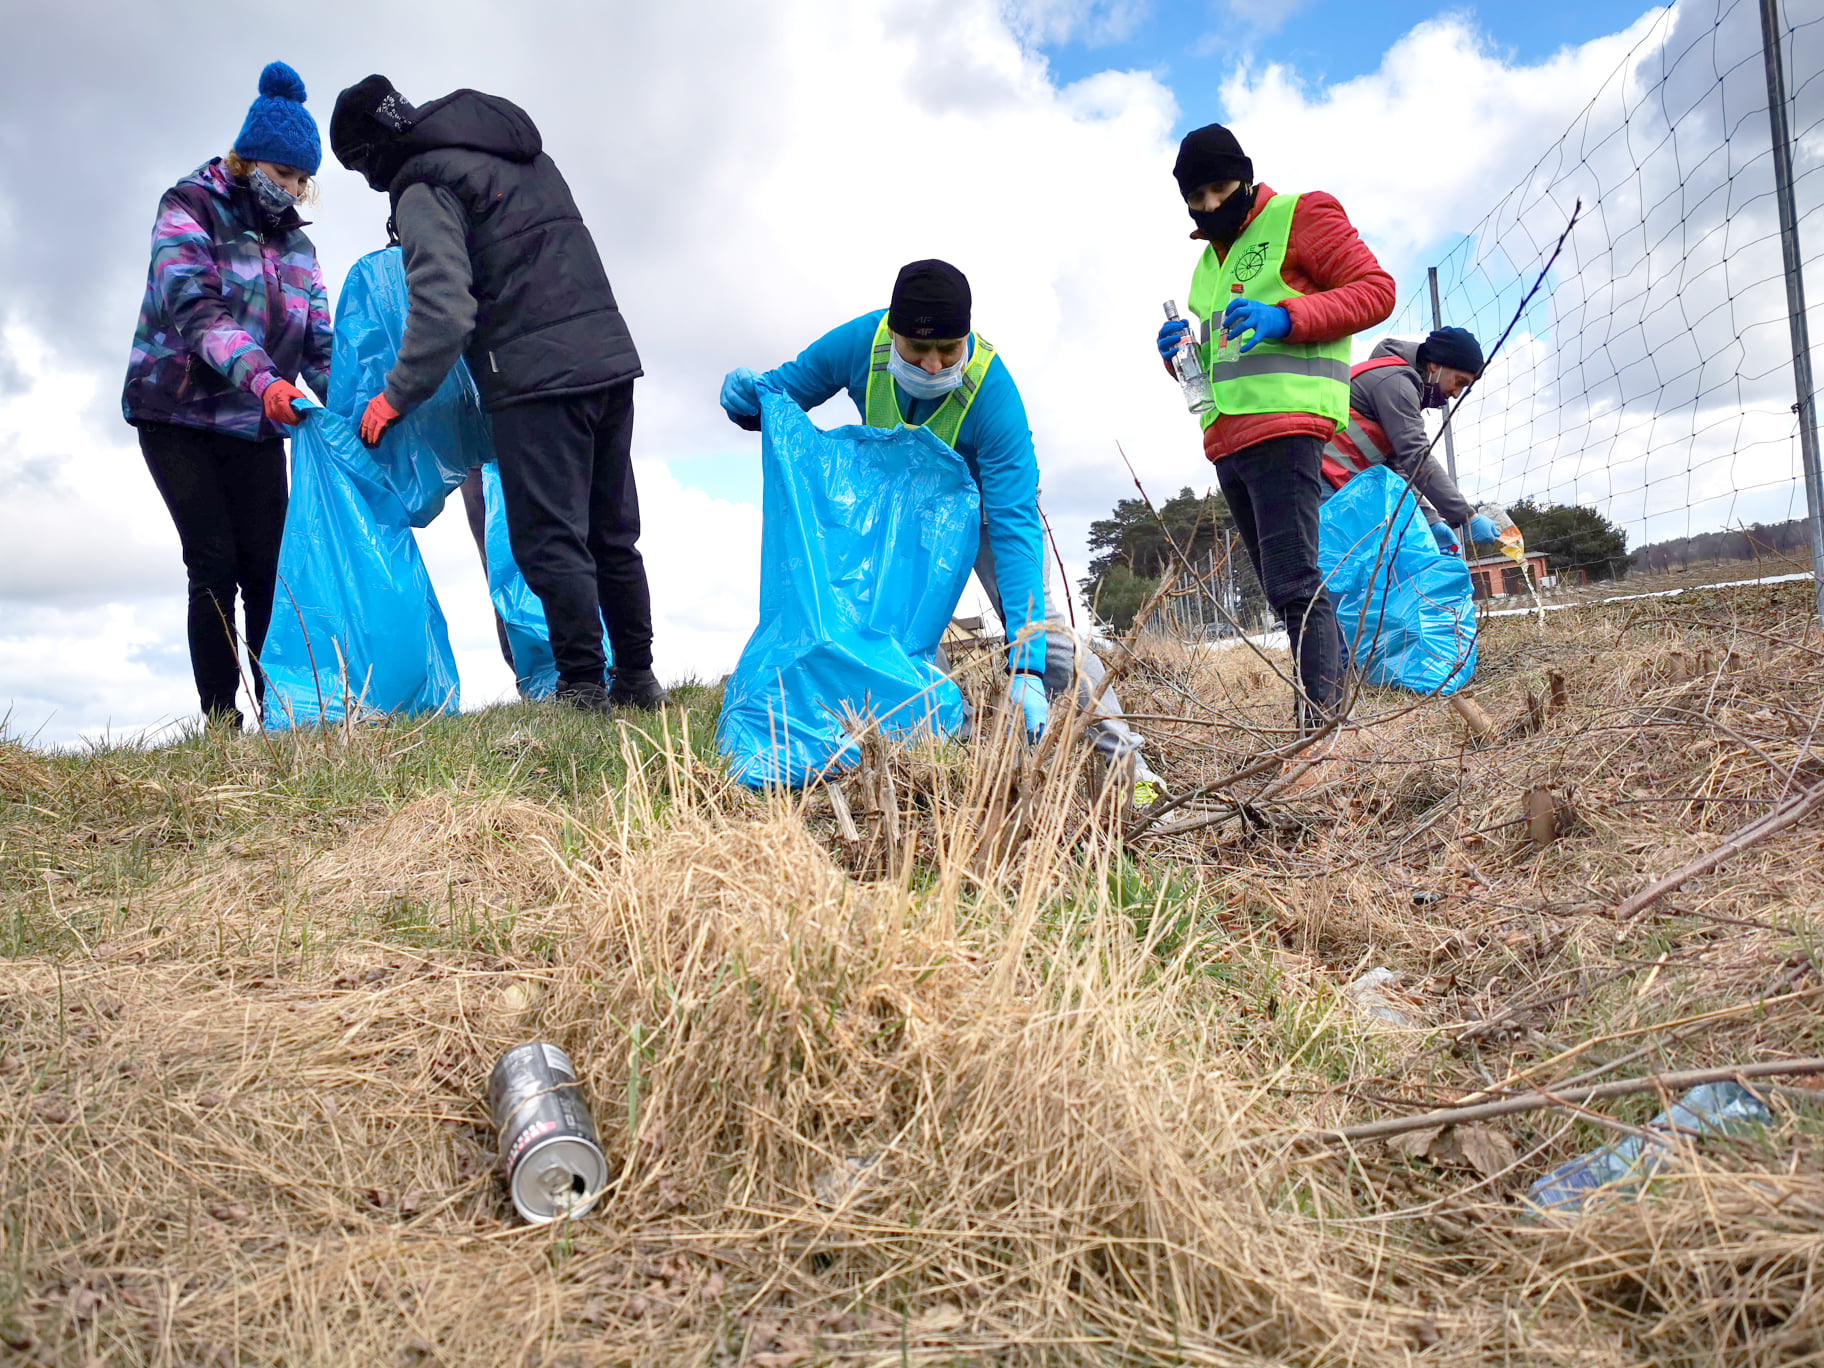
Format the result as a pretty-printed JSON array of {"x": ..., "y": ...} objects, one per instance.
[{"x": 1251, "y": 262}]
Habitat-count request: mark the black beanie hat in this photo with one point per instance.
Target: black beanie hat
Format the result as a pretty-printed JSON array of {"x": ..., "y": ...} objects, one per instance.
[
  {"x": 1209, "y": 156},
  {"x": 1452, "y": 347},
  {"x": 368, "y": 121},
  {"x": 930, "y": 300}
]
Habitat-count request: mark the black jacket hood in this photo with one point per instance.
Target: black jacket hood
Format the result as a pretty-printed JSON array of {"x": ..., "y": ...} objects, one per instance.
[
  {"x": 481, "y": 123},
  {"x": 375, "y": 130}
]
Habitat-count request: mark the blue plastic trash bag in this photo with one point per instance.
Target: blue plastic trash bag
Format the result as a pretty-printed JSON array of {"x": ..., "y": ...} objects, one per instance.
[
  {"x": 1406, "y": 608},
  {"x": 426, "y": 453},
  {"x": 354, "y": 621},
  {"x": 518, "y": 606},
  {"x": 866, "y": 542}
]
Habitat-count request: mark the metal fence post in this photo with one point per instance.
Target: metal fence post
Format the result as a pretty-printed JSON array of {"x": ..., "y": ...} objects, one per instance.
[
  {"x": 1805, "y": 408},
  {"x": 1450, "y": 442},
  {"x": 1437, "y": 321}
]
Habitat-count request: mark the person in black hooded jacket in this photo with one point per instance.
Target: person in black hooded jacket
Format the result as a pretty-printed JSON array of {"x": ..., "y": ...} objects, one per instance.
[{"x": 500, "y": 267}]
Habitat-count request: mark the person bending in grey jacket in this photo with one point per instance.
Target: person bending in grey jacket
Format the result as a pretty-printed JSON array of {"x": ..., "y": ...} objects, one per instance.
[
  {"x": 1388, "y": 394},
  {"x": 501, "y": 269}
]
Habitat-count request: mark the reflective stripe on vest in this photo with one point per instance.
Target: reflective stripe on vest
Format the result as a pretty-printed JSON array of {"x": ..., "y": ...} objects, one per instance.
[
  {"x": 1261, "y": 362},
  {"x": 1276, "y": 376},
  {"x": 882, "y": 407},
  {"x": 1337, "y": 475},
  {"x": 1361, "y": 442}
]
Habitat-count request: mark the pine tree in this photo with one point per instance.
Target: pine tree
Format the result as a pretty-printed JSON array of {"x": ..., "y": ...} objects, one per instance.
[{"x": 1131, "y": 553}]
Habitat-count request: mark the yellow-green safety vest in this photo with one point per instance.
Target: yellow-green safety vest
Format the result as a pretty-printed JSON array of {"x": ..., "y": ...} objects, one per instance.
[
  {"x": 882, "y": 407},
  {"x": 1276, "y": 376}
]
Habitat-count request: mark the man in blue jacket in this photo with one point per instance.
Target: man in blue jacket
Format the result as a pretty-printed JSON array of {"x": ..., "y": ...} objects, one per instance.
[{"x": 918, "y": 363}]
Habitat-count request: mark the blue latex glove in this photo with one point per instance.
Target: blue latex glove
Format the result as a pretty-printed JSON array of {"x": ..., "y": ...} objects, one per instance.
[
  {"x": 1268, "y": 321},
  {"x": 1483, "y": 530},
  {"x": 1446, "y": 537},
  {"x": 1172, "y": 336},
  {"x": 1028, "y": 692},
  {"x": 740, "y": 401}
]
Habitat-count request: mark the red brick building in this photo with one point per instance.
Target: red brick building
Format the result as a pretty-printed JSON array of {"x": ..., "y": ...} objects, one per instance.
[{"x": 1498, "y": 577}]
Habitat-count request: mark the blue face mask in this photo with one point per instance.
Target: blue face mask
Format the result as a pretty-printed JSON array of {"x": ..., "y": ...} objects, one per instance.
[
  {"x": 922, "y": 384},
  {"x": 273, "y": 198}
]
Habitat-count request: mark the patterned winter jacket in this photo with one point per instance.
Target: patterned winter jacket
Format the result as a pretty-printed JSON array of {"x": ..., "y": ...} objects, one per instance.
[{"x": 228, "y": 308}]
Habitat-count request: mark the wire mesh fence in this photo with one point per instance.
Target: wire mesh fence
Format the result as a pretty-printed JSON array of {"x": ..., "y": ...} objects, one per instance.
[{"x": 1652, "y": 379}]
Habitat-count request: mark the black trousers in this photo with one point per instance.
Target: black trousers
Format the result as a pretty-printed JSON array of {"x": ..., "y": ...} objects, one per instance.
[
  {"x": 227, "y": 496},
  {"x": 1274, "y": 489},
  {"x": 573, "y": 516}
]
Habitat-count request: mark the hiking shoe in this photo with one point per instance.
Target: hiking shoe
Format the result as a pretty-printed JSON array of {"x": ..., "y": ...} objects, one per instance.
[
  {"x": 589, "y": 698},
  {"x": 1146, "y": 793},
  {"x": 637, "y": 689}
]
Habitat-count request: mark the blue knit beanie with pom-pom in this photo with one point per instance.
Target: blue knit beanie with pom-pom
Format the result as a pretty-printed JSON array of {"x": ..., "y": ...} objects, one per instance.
[{"x": 278, "y": 128}]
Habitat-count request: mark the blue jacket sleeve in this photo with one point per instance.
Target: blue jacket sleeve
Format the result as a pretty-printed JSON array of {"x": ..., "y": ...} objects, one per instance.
[
  {"x": 837, "y": 360},
  {"x": 996, "y": 435}
]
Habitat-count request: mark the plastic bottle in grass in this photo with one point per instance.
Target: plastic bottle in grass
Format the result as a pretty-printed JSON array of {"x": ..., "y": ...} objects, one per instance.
[{"x": 1626, "y": 1165}]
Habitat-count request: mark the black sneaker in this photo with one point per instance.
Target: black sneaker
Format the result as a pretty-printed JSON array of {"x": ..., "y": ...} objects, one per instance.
[
  {"x": 637, "y": 689},
  {"x": 583, "y": 697}
]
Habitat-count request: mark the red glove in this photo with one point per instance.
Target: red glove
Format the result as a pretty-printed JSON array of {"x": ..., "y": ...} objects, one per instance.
[
  {"x": 276, "y": 400},
  {"x": 379, "y": 417}
]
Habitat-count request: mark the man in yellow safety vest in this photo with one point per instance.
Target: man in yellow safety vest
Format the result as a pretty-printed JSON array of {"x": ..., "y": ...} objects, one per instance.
[{"x": 1282, "y": 283}]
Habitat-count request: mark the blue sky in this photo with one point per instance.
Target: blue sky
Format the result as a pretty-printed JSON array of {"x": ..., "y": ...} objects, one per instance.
[{"x": 1192, "y": 44}]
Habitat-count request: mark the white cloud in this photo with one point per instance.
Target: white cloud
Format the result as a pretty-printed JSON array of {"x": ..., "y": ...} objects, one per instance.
[
  {"x": 1424, "y": 144},
  {"x": 1094, "y": 23},
  {"x": 741, "y": 212},
  {"x": 84, "y": 524},
  {"x": 1264, "y": 16},
  {"x": 753, "y": 175},
  {"x": 113, "y": 670}
]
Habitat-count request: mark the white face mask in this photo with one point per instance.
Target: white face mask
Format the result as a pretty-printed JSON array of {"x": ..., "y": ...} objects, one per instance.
[{"x": 922, "y": 384}]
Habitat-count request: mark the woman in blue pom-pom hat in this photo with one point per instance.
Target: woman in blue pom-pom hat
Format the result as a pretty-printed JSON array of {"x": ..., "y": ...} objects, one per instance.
[{"x": 234, "y": 312}]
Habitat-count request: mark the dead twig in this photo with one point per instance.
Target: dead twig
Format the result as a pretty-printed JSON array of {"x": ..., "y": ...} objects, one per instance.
[
  {"x": 1792, "y": 810},
  {"x": 1538, "y": 1101},
  {"x": 839, "y": 804},
  {"x": 1480, "y": 724}
]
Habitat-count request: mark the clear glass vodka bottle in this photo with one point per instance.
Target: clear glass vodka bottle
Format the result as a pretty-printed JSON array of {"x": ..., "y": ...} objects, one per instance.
[{"x": 1189, "y": 368}]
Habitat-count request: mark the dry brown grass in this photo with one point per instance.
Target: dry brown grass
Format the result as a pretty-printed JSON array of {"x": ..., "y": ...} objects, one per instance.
[{"x": 1029, "y": 1097}]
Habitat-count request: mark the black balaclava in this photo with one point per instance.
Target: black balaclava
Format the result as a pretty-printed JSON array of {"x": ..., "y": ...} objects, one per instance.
[
  {"x": 367, "y": 128},
  {"x": 1209, "y": 156},
  {"x": 1223, "y": 223},
  {"x": 930, "y": 300}
]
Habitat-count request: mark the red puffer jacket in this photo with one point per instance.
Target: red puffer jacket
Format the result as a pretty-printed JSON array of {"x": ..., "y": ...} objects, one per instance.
[{"x": 1343, "y": 289}]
